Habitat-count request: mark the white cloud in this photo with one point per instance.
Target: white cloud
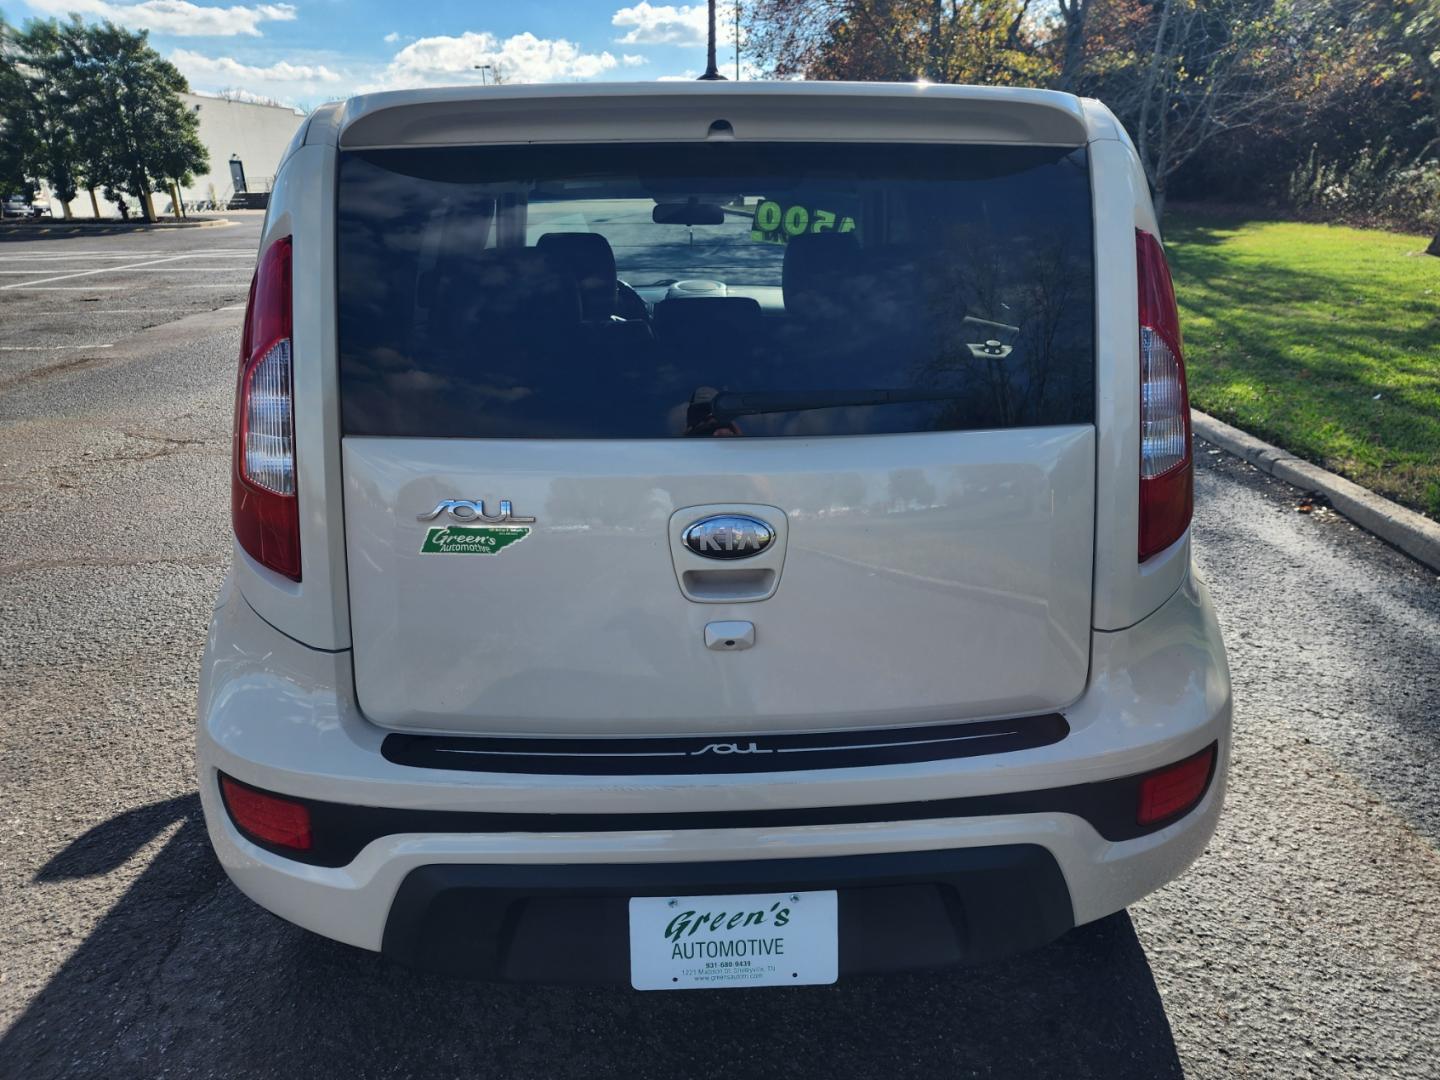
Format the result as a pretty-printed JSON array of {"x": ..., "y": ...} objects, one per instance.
[
  {"x": 178, "y": 17},
  {"x": 668, "y": 24},
  {"x": 634, "y": 61},
  {"x": 689, "y": 76},
  {"x": 391, "y": 38},
  {"x": 523, "y": 58},
  {"x": 196, "y": 65}
]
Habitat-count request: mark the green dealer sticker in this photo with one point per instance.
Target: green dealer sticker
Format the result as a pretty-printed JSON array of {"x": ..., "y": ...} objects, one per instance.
[{"x": 472, "y": 540}]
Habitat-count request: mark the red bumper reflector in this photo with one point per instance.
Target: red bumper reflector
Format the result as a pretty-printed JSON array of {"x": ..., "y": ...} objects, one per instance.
[
  {"x": 265, "y": 817},
  {"x": 1175, "y": 789}
]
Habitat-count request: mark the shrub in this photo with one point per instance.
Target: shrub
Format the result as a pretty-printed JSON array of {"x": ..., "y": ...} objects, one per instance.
[{"x": 1371, "y": 188}]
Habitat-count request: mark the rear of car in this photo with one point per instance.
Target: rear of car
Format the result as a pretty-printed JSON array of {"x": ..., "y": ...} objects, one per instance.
[
  {"x": 20, "y": 206},
  {"x": 710, "y": 535}
]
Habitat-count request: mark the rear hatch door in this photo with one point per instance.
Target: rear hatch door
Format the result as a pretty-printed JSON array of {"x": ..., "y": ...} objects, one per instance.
[{"x": 782, "y": 436}]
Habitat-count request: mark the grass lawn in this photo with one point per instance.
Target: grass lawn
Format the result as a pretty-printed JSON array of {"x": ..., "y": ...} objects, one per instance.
[{"x": 1322, "y": 339}]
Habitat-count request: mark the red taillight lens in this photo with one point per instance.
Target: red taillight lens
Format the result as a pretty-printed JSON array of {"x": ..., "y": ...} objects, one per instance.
[
  {"x": 269, "y": 818},
  {"x": 263, "y": 502},
  {"x": 1166, "y": 474},
  {"x": 1175, "y": 789}
]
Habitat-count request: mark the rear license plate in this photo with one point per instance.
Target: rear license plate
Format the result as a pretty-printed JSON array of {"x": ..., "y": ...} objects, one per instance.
[{"x": 711, "y": 942}]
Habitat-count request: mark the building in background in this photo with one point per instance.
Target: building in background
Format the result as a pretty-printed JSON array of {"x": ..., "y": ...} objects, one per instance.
[{"x": 245, "y": 140}]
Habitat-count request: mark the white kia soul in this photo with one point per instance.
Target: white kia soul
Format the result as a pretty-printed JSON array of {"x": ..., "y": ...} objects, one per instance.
[{"x": 710, "y": 535}]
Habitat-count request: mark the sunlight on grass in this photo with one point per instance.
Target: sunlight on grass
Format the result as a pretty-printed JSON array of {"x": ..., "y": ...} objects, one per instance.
[{"x": 1322, "y": 339}]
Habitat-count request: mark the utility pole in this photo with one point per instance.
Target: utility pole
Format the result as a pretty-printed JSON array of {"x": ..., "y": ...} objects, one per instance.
[
  {"x": 712, "y": 73},
  {"x": 737, "y": 40}
]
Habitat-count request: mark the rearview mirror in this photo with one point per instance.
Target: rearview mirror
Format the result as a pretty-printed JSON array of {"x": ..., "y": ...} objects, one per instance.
[{"x": 690, "y": 212}]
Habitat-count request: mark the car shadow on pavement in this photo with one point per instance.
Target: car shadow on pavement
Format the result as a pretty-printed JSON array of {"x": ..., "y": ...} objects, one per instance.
[{"x": 184, "y": 976}]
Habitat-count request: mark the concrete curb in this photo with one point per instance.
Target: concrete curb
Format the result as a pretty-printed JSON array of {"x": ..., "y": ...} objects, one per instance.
[{"x": 1412, "y": 533}]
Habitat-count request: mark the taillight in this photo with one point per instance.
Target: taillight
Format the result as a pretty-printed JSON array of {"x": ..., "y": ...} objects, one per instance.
[
  {"x": 1175, "y": 789},
  {"x": 1166, "y": 474},
  {"x": 268, "y": 818},
  {"x": 263, "y": 503}
]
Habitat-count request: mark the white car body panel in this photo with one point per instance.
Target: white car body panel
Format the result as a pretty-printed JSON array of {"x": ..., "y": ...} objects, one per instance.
[
  {"x": 1125, "y": 590},
  {"x": 658, "y": 112},
  {"x": 929, "y": 577},
  {"x": 583, "y": 629},
  {"x": 284, "y": 718},
  {"x": 314, "y": 610}
]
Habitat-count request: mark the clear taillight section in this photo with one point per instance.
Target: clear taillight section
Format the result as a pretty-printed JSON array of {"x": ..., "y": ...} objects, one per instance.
[
  {"x": 1164, "y": 408},
  {"x": 269, "y": 450},
  {"x": 264, "y": 500},
  {"x": 1166, "y": 475}
]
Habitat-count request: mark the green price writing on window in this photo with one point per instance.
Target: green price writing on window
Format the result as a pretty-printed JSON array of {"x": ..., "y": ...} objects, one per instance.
[{"x": 776, "y": 224}]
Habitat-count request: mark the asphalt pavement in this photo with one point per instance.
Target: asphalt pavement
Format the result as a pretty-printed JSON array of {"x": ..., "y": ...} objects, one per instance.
[{"x": 1305, "y": 942}]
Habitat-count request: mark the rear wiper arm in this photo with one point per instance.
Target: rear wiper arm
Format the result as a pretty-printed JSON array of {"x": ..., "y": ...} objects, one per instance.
[{"x": 730, "y": 404}]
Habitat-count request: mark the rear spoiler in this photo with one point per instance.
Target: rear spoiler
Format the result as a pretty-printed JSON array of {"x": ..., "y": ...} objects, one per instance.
[{"x": 664, "y": 112}]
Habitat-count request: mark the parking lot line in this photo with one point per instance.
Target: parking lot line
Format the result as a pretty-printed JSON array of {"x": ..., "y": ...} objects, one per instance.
[
  {"x": 51, "y": 348},
  {"x": 158, "y": 270},
  {"x": 100, "y": 270},
  {"x": 100, "y": 263}
]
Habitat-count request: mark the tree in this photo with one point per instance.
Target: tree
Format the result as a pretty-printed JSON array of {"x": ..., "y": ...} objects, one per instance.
[
  {"x": 18, "y": 144},
  {"x": 982, "y": 41},
  {"x": 130, "y": 119},
  {"x": 37, "y": 141},
  {"x": 1410, "y": 30},
  {"x": 1239, "y": 78},
  {"x": 1182, "y": 74},
  {"x": 92, "y": 104},
  {"x": 44, "y": 75},
  {"x": 1071, "y": 41}
]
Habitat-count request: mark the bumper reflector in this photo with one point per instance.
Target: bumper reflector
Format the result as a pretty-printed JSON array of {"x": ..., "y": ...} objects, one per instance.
[
  {"x": 265, "y": 818},
  {"x": 1175, "y": 789}
]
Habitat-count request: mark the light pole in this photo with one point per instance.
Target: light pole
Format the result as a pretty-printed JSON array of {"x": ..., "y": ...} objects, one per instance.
[
  {"x": 482, "y": 68},
  {"x": 737, "y": 40}
]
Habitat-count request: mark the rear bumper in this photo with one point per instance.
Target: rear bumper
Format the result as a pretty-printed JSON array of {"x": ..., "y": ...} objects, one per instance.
[
  {"x": 281, "y": 717},
  {"x": 559, "y": 924}
]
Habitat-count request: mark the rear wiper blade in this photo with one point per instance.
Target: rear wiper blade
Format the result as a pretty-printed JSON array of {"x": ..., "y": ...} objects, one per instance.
[{"x": 729, "y": 404}]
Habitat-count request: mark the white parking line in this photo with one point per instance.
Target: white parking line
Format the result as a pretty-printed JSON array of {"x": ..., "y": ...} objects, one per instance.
[
  {"x": 86, "y": 273},
  {"x": 51, "y": 348},
  {"x": 226, "y": 253},
  {"x": 152, "y": 270}
]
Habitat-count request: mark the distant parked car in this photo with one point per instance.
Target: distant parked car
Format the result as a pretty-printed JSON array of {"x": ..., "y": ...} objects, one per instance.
[{"x": 18, "y": 206}]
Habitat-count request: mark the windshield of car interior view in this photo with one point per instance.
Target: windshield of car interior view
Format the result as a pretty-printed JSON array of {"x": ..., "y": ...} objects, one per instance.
[{"x": 718, "y": 289}]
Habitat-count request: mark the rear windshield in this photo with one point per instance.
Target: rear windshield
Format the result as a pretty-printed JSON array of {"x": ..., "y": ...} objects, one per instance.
[{"x": 716, "y": 289}]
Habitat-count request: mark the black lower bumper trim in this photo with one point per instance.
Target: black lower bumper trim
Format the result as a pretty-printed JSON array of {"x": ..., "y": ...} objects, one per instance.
[
  {"x": 340, "y": 831},
  {"x": 566, "y": 924}
]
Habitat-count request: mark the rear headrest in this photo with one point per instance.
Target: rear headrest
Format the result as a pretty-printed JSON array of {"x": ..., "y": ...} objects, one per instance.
[
  {"x": 708, "y": 318},
  {"x": 817, "y": 279},
  {"x": 524, "y": 289},
  {"x": 589, "y": 258}
]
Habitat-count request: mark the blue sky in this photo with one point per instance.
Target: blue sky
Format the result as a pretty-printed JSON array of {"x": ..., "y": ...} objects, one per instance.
[{"x": 304, "y": 52}]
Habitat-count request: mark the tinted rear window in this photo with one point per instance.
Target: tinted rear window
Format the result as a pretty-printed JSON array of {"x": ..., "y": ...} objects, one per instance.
[{"x": 651, "y": 291}]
